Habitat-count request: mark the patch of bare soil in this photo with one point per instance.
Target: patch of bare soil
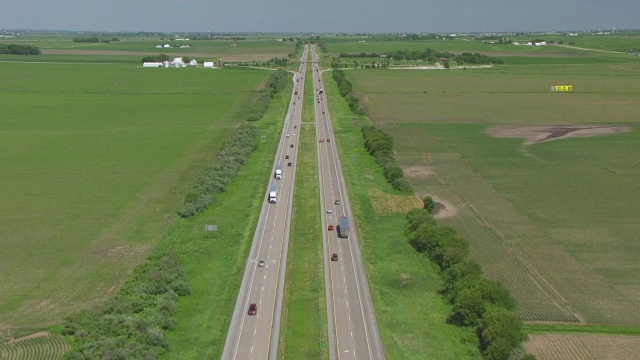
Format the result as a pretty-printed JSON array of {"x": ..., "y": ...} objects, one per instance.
[
  {"x": 32, "y": 336},
  {"x": 443, "y": 209},
  {"x": 583, "y": 346},
  {"x": 538, "y": 134},
  {"x": 418, "y": 171},
  {"x": 388, "y": 203}
]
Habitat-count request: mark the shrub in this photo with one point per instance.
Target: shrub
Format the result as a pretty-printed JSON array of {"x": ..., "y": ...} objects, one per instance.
[{"x": 380, "y": 146}]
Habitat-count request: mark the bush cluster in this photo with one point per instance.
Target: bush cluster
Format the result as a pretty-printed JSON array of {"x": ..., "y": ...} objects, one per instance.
[
  {"x": 132, "y": 325},
  {"x": 346, "y": 90},
  {"x": 380, "y": 146},
  {"x": 221, "y": 171},
  {"x": 485, "y": 305},
  {"x": 156, "y": 58},
  {"x": 430, "y": 55},
  {"x": 276, "y": 82},
  {"x": 17, "y": 49}
]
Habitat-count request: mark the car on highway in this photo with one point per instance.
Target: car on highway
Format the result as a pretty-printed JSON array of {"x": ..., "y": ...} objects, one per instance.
[
  {"x": 288, "y": 164},
  {"x": 286, "y": 156},
  {"x": 328, "y": 140},
  {"x": 288, "y": 135},
  {"x": 291, "y": 146},
  {"x": 261, "y": 263},
  {"x": 334, "y": 257},
  {"x": 329, "y": 211},
  {"x": 337, "y": 202},
  {"x": 253, "y": 309},
  {"x": 330, "y": 227}
]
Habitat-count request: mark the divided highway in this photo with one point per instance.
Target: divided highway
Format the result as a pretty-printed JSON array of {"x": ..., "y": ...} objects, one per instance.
[
  {"x": 255, "y": 336},
  {"x": 353, "y": 329},
  {"x": 255, "y": 325}
]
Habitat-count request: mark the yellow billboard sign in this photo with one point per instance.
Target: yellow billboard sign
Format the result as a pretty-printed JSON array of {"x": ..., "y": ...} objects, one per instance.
[{"x": 562, "y": 88}]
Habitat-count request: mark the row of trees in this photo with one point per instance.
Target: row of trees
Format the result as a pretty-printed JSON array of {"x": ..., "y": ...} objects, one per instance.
[
  {"x": 222, "y": 170},
  {"x": 95, "y": 39},
  {"x": 17, "y": 49},
  {"x": 234, "y": 153},
  {"x": 132, "y": 325},
  {"x": 282, "y": 62},
  {"x": 275, "y": 84},
  {"x": 483, "y": 304},
  {"x": 346, "y": 90},
  {"x": 380, "y": 146},
  {"x": 431, "y": 56},
  {"x": 296, "y": 51}
]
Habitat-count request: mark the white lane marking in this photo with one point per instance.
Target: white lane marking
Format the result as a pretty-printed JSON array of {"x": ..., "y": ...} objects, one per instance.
[
  {"x": 347, "y": 304},
  {"x": 262, "y": 289},
  {"x": 260, "y": 302},
  {"x": 254, "y": 331},
  {"x": 265, "y": 277},
  {"x": 252, "y": 349},
  {"x": 349, "y": 318},
  {"x": 352, "y": 334}
]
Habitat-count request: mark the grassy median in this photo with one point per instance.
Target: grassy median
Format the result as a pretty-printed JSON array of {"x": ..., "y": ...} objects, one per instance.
[{"x": 303, "y": 333}]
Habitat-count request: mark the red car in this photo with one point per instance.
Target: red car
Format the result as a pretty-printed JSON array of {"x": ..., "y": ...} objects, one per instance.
[
  {"x": 334, "y": 257},
  {"x": 253, "y": 309},
  {"x": 330, "y": 227}
]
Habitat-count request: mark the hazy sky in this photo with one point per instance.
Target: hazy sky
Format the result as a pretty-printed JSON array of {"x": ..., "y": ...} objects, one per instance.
[{"x": 320, "y": 16}]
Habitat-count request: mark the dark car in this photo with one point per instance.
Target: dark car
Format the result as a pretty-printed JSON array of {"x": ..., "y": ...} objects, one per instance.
[
  {"x": 288, "y": 164},
  {"x": 328, "y": 140},
  {"x": 291, "y": 145},
  {"x": 286, "y": 156},
  {"x": 253, "y": 309},
  {"x": 334, "y": 257}
]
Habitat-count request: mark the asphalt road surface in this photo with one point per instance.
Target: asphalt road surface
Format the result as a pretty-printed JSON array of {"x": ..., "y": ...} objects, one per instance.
[
  {"x": 256, "y": 336},
  {"x": 353, "y": 330}
]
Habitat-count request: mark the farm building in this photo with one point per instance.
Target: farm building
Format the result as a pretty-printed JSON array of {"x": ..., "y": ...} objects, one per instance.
[
  {"x": 193, "y": 63},
  {"x": 178, "y": 62},
  {"x": 152, "y": 64},
  {"x": 208, "y": 64}
]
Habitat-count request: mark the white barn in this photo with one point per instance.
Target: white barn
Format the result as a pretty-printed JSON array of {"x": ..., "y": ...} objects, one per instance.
[
  {"x": 208, "y": 64},
  {"x": 151, "y": 64},
  {"x": 193, "y": 62}
]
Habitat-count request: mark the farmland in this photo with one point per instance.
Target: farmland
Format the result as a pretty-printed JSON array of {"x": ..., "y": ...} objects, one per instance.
[
  {"x": 553, "y": 220},
  {"x": 133, "y": 49},
  {"x": 95, "y": 160}
]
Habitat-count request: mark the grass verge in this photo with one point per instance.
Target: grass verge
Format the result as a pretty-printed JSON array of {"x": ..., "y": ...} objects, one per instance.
[
  {"x": 214, "y": 264},
  {"x": 411, "y": 314}
]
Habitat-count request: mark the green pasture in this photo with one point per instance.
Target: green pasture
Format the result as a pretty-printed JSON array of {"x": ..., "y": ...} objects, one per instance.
[
  {"x": 555, "y": 221},
  {"x": 95, "y": 161},
  {"x": 611, "y": 42},
  {"x": 502, "y": 95},
  {"x": 214, "y": 263},
  {"x": 411, "y": 314}
]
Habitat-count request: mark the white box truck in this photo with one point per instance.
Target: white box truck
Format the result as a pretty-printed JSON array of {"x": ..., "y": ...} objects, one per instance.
[{"x": 273, "y": 194}]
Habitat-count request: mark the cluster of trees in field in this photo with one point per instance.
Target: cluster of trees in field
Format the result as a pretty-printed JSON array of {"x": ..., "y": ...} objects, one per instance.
[
  {"x": 234, "y": 153},
  {"x": 132, "y": 325},
  {"x": 323, "y": 47},
  {"x": 222, "y": 170},
  {"x": 156, "y": 58},
  {"x": 95, "y": 39},
  {"x": 485, "y": 305},
  {"x": 17, "y": 49},
  {"x": 346, "y": 90},
  {"x": 276, "y": 82},
  {"x": 282, "y": 62},
  {"x": 380, "y": 146}
]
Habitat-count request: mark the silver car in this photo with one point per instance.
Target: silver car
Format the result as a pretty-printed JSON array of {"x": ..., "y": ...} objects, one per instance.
[{"x": 261, "y": 263}]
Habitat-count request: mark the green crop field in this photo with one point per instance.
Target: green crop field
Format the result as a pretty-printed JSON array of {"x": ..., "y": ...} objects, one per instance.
[
  {"x": 555, "y": 221},
  {"x": 96, "y": 159}
]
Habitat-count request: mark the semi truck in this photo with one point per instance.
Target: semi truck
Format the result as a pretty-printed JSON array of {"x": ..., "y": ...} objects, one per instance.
[
  {"x": 343, "y": 227},
  {"x": 278, "y": 173},
  {"x": 273, "y": 194}
]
